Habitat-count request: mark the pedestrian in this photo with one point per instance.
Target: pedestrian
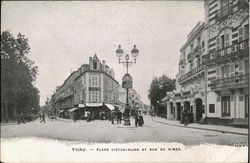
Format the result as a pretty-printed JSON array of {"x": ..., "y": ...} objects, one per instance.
[
  {"x": 112, "y": 117},
  {"x": 119, "y": 117},
  {"x": 136, "y": 118},
  {"x": 140, "y": 117},
  {"x": 43, "y": 118},
  {"x": 74, "y": 116},
  {"x": 88, "y": 116},
  {"x": 185, "y": 116},
  {"x": 21, "y": 119}
]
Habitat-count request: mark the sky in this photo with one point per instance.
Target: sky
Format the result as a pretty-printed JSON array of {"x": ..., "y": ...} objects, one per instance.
[{"x": 64, "y": 34}]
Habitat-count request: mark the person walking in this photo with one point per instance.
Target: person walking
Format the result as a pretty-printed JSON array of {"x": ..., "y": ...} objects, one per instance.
[
  {"x": 140, "y": 117},
  {"x": 112, "y": 117},
  {"x": 74, "y": 116},
  {"x": 136, "y": 118},
  {"x": 43, "y": 118},
  {"x": 119, "y": 117},
  {"x": 21, "y": 119},
  {"x": 185, "y": 116}
]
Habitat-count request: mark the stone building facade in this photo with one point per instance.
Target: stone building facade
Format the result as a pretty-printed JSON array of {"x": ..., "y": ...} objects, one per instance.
[
  {"x": 92, "y": 84},
  {"x": 213, "y": 77}
]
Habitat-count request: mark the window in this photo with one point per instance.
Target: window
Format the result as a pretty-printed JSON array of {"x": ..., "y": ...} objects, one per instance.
[
  {"x": 225, "y": 71},
  {"x": 246, "y": 31},
  {"x": 240, "y": 35},
  {"x": 94, "y": 80},
  {"x": 94, "y": 64},
  {"x": 227, "y": 40},
  {"x": 211, "y": 108},
  {"x": 222, "y": 44},
  {"x": 94, "y": 96},
  {"x": 202, "y": 44},
  {"x": 191, "y": 47},
  {"x": 198, "y": 41}
]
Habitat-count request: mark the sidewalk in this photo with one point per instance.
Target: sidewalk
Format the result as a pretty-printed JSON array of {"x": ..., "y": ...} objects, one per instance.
[{"x": 217, "y": 128}]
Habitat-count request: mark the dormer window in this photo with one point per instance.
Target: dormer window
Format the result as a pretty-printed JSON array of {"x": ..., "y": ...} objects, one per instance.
[{"x": 94, "y": 65}]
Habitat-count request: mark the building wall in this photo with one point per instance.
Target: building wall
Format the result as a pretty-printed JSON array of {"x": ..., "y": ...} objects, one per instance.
[{"x": 229, "y": 29}]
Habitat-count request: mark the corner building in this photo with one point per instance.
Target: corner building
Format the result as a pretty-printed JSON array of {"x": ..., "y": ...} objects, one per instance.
[
  {"x": 227, "y": 61},
  {"x": 91, "y": 87},
  {"x": 213, "y": 77}
]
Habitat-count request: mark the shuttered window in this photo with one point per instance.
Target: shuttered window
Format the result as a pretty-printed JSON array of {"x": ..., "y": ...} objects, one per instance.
[
  {"x": 232, "y": 69},
  {"x": 217, "y": 43},
  {"x": 240, "y": 30},
  {"x": 226, "y": 40}
]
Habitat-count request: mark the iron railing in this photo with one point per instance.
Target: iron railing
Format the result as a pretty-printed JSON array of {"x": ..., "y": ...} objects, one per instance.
[
  {"x": 191, "y": 73},
  {"x": 233, "y": 81}
]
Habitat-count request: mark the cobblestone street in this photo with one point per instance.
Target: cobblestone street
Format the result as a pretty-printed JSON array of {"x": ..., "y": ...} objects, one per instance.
[{"x": 104, "y": 132}]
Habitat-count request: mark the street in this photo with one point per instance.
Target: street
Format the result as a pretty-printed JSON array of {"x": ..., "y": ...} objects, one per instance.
[{"x": 104, "y": 132}]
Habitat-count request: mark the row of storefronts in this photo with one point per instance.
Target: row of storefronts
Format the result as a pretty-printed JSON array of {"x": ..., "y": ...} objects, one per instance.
[
  {"x": 213, "y": 77},
  {"x": 92, "y": 88}
]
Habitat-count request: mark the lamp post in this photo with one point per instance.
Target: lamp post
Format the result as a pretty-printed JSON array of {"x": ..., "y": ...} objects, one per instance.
[{"x": 127, "y": 79}]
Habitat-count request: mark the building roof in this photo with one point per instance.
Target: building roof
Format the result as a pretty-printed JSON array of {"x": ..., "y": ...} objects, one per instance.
[{"x": 199, "y": 26}]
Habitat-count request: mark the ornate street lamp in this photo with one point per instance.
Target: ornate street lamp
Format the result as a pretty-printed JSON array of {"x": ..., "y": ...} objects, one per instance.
[{"x": 127, "y": 79}]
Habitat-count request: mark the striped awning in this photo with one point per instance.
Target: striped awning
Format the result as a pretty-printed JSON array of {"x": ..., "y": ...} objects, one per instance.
[
  {"x": 111, "y": 107},
  {"x": 73, "y": 109}
]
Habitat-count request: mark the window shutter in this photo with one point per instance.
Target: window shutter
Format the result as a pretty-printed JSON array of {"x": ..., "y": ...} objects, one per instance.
[
  {"x": 240, "y": 35},
  {"x": 241, "y": 65},
  {"x": 232, "y": 69},
  {"x": 217, "y": 43},
  {"x": 218, "y": 73},
  {"x": 227, "y": 40}
]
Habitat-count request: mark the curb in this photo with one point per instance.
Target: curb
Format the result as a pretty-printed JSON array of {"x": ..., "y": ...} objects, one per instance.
[{"x": 231, "y": 132}]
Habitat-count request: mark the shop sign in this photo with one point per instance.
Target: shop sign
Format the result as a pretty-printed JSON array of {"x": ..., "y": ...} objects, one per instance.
[
  {"x": 229, "y": 50},
  {"x": 127, "y": 81}
]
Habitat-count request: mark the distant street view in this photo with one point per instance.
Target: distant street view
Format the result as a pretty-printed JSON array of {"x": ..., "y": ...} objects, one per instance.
[{"x": 107, "y": 73}]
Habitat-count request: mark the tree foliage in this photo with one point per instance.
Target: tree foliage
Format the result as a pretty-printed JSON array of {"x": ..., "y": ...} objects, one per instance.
[
  {"x": 18, "y": 74},
  {"x": 159, "y": 87}
]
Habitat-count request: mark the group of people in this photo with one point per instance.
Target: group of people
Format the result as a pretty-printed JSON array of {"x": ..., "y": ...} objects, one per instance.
[
  {"x": 138, "y": 118},
  {"x": 116, "y": 115}
]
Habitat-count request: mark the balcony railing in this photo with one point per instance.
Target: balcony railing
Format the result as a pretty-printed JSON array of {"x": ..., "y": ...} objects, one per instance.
[
  {"x": 191, "y": 73},
  {"x": 231, "y": 82},
  {"x": 239, "y": 49},
  {"x": 224, "y": 11}
]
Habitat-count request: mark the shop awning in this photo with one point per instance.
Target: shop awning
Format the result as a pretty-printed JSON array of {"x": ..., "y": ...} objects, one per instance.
[
  {"x": 73, "y": 109},
  {"x": 93, "y": 104},
  {"x": 81, "y": 105},
  {"x": 61, "y": 111},
  {"x": 111, "y": 107}
]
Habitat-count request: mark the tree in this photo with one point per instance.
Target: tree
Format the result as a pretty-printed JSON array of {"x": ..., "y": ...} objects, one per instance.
[
  {"x": 159, "y": 87},
  {"x": 18, "y": 74}
]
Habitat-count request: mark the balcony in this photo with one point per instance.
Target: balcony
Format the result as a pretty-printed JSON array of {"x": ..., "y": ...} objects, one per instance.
[
  {"x": 233, "y": 82},
  {"x": 191, "y": 73},
  {"x": 236, "y": 50},
  {"x": 224, "y": 11}
]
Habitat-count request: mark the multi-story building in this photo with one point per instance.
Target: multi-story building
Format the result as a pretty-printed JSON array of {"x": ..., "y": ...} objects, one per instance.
[
  {"x": 227, "y": 60},
  {"x": 189, "y": 92},
  {"x": 212, "y": 81},
  {"x": 92, "y": 85}
]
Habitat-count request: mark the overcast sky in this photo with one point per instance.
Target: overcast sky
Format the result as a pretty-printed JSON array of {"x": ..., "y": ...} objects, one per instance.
[{"x": 63, "y": 35}]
